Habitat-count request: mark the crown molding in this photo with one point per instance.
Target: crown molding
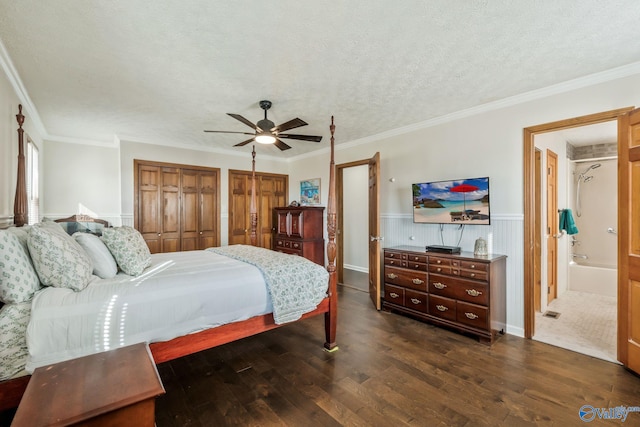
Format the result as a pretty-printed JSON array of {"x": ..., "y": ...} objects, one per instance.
[
  {"x": 21, "y": 92},
  {"x": 590, "y": 80}
]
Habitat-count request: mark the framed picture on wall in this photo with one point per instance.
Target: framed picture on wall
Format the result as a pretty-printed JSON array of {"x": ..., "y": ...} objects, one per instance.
[{"x": 310, "y": 191}]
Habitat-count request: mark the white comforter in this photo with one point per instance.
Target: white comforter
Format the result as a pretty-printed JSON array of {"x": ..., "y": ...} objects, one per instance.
[{"x": 180, "y": 293}]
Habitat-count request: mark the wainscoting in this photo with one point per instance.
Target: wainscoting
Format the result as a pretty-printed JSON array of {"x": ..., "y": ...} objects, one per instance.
[{"x": 505, "y": 236}]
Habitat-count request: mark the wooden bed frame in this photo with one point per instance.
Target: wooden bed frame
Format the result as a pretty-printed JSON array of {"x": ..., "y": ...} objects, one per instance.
[{"x": 11, "y": 391}]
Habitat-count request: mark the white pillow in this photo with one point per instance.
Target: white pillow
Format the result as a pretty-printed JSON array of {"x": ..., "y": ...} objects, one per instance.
[
  {"x": 104, "y": 266},
  {"x": 128, "y": 248},
  {"x": 18, "y": 279},
  {"x": 13, "y": 343},
  {"x": 58, "y": 259},
  {"x": 22, "y": 233}
]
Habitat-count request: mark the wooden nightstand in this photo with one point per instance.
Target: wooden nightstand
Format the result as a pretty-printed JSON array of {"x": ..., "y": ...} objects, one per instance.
[{"x": 114, "y": 388}]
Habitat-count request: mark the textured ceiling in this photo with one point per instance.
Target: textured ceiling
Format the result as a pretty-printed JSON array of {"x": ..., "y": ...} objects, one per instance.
[{"x": 163, "y": 71}]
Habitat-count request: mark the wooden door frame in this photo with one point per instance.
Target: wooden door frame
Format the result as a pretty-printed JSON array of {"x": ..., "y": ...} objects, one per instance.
[
  {"x": 340, "y": 212},
  {"x": 529, "y": 198}
]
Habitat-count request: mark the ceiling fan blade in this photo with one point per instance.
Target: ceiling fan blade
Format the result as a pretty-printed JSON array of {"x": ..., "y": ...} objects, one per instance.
[
  {"x": 243, "y": 120},
  {"x": 301, "y": 137},
  {"x": 228, "y": 131},
  {"x": 281, "y": 145},
  {"x": 294, "y": 123},
  {"x": 240, "y": 144}
]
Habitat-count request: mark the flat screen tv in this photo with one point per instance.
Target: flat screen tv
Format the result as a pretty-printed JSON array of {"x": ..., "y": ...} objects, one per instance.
[{"x": 458, "y": 201}]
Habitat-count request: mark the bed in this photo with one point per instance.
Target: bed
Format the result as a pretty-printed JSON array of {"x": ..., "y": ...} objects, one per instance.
[{"x": 187, "y": 311}]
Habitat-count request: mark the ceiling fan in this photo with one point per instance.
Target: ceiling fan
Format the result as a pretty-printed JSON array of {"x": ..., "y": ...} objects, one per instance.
[{"x": 266, "y": 132}]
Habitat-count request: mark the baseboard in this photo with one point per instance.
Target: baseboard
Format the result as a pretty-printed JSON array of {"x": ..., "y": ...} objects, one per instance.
[{"x": 356, "y": 268}]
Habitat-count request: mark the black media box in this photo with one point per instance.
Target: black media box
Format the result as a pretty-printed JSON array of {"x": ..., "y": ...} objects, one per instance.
[{"x": 444, "y": 249}]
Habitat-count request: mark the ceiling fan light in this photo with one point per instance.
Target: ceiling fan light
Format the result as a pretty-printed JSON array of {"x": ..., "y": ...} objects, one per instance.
[{"x": 265, "y": 138}]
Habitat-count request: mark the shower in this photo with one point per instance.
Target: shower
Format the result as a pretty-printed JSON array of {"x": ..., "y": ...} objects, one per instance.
[{"x": 582, "y": 177}]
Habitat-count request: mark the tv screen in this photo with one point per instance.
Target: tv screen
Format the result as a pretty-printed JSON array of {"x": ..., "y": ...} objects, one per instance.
[{"x": 460, "y": 201}]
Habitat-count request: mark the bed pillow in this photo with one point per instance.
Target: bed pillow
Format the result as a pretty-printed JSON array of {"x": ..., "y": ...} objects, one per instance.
[
  {"x": 58, "y": 259},
  {"x": 104, "y": 266},
  {"x": 18, "y": 278},
  {"x": 22, "y": 233},
  {"x": 128, "y": 248},
  {"x": 13, "y": 343}
]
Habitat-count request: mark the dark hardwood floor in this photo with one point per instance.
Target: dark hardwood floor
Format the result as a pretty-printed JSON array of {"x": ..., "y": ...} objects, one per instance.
[{"x": 389, "y": 370}]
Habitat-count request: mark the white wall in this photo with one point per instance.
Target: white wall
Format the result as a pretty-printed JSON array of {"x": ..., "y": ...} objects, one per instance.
[
  {"x": 84, "y": 175},
  {"x": 487, "y": 143}
]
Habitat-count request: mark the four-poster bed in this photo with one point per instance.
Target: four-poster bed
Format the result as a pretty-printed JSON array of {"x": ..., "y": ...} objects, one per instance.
[{"x": 11, "y": 390}]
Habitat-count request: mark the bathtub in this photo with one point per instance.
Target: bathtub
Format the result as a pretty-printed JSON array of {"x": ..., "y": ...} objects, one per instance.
[{"x": 592, "y": 279}]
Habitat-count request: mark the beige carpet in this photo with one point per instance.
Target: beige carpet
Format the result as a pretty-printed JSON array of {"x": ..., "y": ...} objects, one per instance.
[{"x": 587, "y": 324}]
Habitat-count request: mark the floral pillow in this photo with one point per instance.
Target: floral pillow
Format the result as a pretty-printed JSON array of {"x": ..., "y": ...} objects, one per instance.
[
  {"x": 128, "y": 248},
  {"x": 13, "y": 343},
  {"x": 58, "y": 259},
  {"x": 18, "y": 279}
]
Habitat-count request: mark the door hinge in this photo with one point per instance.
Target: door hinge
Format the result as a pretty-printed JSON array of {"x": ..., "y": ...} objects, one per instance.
[
  {"x": 548, "y": 290},
  {"x": 548, "y": 171}
]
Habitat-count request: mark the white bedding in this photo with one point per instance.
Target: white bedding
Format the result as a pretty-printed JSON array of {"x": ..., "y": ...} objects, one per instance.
[{"x": 181, "y": 293}]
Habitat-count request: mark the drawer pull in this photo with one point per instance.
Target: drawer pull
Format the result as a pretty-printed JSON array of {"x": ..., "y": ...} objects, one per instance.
[
  {"x": 472, "y": 275},
  {"x": 438, "y": 261},
  {"x": 392, "y": 262},
  {"x": 416, "y": 266},
  {"x": 473, "y": 266},
  {"x": 442, "y": 308},
  {"x": 471, "y": 316},
  {"x": 416, "y": 301},
  {"x": 392, "y": 276},
  {"x": 392, "y": 255},
  {"x": 417, "y": 281},
  {"x": 439, "y": 285},
  {"x": 438, "y": 269},
  {"x": 393, "y": 295},
  {"x": 473, "y": 292},
  {"x": 415, "y": 258}
]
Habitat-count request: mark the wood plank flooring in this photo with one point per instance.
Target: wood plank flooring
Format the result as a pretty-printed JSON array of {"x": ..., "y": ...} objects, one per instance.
[{"x": 389, "y": 370}]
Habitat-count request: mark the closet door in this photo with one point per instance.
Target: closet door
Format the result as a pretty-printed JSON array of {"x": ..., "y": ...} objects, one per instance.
[
  {"x": 176, "y": 207},
  {"x": 239, "y": 203},
  {"x": 271, "y": 192},
  {"x": 170, "y": 208},
  {"x": 199, "y": 209},
  {"x": 158, "y": 207}
]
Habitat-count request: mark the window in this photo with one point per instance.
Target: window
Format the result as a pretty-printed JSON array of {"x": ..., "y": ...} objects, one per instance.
[{"x": 33, "y": 199}]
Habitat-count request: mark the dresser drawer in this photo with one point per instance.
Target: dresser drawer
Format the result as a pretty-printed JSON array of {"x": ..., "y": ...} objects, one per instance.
[
  {"x": 417, "y": 258},
  {"x": 394, "y": 294},
  {"x": 414, "y": 265},
  {"x": 440, "y": 269},
  {"x": 472, "y": 274},
  {"x": 394, "y": 262},
  {"x": 461, "y": 289},
  {"x": 434, "y": 260},
  {"x": 473, "y": 315},
  {"x": 473, "y": 265},
  {"x": 402, "y": 277},
  {"x": 444, "y": 308},
  {"x": 395, "y": 255},
  {"x": 416, "y": 300}
]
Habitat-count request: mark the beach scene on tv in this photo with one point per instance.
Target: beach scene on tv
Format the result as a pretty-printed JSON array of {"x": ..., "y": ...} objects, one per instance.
[{"x": 464, "y": 201}]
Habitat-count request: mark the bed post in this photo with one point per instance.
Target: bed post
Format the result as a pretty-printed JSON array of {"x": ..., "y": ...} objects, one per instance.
[
  {"x": 253, "y": 213},
  {"x": 20, "y": 202},
  {"x": 331, "y": 317}
]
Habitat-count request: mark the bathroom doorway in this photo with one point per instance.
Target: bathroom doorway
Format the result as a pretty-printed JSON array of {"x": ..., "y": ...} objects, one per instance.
[{"x": 580, "y": 311}]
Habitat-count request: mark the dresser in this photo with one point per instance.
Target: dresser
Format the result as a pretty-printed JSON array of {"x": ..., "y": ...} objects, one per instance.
[
  {"x": 462, "y": 291},
  {"x": 299, "y": 231}
]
